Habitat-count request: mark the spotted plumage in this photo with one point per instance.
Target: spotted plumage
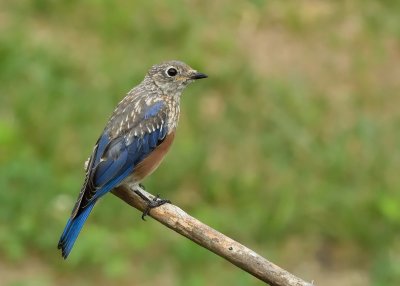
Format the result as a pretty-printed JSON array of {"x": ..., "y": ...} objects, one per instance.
[{"x": 134, "y": 141}]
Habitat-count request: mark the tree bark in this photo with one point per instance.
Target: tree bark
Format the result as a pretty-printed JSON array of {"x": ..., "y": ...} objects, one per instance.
[{"x": 207, "y": 237}]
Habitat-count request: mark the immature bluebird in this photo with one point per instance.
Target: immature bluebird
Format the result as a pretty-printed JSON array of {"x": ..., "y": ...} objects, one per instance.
[{"x": 134, "y": 141}]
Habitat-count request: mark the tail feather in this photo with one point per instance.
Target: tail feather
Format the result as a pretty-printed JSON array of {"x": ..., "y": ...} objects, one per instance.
[{"x": 72, "y": 230}]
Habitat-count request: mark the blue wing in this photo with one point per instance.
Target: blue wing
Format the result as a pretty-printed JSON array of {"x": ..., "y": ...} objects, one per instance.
[
  {"x": 121, "y": 160},
  {"x": 113, "y": 159}
]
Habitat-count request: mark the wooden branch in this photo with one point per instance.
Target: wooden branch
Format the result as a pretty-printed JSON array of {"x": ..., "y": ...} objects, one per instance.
[{"x": 236, "y": 253}]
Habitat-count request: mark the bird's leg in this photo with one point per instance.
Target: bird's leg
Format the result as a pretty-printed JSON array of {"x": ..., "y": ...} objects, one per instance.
[
  {"x": 142, "y": 186},
  {"x": 151, "y": 204}
]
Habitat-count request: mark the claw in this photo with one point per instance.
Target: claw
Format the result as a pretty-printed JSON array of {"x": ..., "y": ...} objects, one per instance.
[{"x": 151, "y": 204}]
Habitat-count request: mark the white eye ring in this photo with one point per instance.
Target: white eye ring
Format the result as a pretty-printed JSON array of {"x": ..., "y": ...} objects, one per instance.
[{"x": 171, "y": 71}]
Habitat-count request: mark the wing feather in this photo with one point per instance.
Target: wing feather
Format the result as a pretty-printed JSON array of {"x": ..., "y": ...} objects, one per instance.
[{"x": 119, "y": 150}]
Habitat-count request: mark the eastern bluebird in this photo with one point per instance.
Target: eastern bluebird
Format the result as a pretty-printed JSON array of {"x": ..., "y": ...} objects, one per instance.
[{"x": 134, "y": 141}]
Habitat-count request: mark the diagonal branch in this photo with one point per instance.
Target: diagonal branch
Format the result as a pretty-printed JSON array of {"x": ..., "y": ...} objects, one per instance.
[{"x": 236, "y": 253}]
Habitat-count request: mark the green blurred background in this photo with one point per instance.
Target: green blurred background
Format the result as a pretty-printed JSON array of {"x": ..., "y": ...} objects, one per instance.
[{"x": 290, "y": 147}]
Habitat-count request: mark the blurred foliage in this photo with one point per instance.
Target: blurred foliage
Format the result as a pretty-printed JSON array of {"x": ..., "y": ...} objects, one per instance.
[{"x": 291, "y": 146}]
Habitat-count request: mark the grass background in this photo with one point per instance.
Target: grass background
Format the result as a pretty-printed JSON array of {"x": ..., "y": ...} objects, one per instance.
[{"x": 291, "y": 146}]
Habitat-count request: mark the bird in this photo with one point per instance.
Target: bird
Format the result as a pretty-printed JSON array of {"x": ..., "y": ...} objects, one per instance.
[{"x": 134, "y": 141}]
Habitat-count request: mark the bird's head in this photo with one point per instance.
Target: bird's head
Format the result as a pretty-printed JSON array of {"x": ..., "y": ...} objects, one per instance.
[{"x": 173, "y": 76}]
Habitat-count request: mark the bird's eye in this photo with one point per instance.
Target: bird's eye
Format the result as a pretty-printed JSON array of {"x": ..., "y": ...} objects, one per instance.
[{"x": 172, "y": 72}]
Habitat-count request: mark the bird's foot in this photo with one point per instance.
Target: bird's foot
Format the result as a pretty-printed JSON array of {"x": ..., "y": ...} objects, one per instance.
[
  {"x": 142, "y": 186},
  {"x": 151, "y": 203}
]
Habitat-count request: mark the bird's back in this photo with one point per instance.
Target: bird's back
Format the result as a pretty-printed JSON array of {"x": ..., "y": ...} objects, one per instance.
[{"x": 139, "y": 124}]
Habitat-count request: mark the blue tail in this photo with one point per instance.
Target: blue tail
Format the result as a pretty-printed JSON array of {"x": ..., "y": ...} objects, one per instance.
[{"x": 72, "y": 230}]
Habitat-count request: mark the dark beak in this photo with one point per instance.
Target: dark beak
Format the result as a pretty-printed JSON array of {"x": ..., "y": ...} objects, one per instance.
[{"x": 198, "y": 75}]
